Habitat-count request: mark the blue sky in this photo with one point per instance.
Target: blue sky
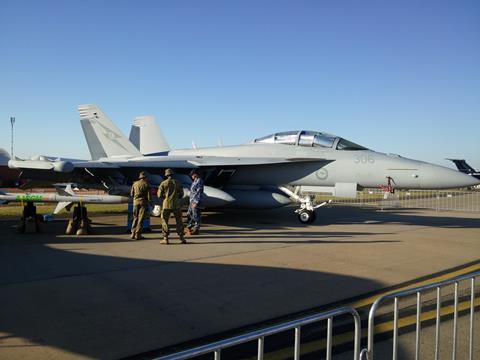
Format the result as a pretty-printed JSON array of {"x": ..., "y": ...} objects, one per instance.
[{"x": 400, "y": 77}]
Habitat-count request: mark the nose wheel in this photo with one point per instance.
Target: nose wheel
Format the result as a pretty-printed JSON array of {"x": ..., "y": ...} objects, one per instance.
[
  {"x": 307, "y": 216},
  {"x": 306, "y": 213}
]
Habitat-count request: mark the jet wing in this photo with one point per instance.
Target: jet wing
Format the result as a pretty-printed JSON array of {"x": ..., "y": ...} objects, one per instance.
[
  {"x": 121, "y": 170},
  {"x": 150, "y": 162},
  {"x": 208, "y": 161},
  {"x": 61, "y": 166},
  {"x": 233, "y": 162}
]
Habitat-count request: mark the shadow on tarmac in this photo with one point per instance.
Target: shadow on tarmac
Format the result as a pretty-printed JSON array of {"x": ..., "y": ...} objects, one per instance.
[
  {"x": 285, "y": 218},
  {"x": 114, "y": 306},
  {"x": 110, "y": 307}
]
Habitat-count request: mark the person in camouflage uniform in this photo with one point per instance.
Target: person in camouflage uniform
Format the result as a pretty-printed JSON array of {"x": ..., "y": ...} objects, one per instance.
[
  {"x": 140, "y": 194},
  {"x": 196, "y": 197},
  {"x": 171, "y": 191}
]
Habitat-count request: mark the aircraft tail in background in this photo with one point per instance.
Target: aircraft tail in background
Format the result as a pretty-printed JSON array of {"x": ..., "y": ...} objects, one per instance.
[
  {"x": 463, "y": 167},
  {"x": 104, "y": 138}
]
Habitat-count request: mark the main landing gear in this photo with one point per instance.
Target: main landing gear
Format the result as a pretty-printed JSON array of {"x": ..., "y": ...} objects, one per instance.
[{"x": 306, "y": 213}]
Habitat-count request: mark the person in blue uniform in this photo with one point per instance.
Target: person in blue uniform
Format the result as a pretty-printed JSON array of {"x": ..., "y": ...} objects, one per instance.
[{"x": 196, "y": 197}]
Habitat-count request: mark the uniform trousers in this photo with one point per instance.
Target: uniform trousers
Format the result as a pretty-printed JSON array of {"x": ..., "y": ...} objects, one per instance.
[
  {"x": 194, "y": 217},
  {"x": 177, "y": 213},
  {"x": 139, "y": 212}
]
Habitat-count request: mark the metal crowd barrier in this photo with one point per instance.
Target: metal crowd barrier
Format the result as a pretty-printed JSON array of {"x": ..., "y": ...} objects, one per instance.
[
  {"x": 259, "y": 335},
  {"x": 438, "y": 200},
  {"x": 368, "y": 353}
]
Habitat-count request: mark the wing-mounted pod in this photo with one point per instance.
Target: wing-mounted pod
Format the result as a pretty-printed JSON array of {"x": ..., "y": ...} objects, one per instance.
[{"x": 61, "y": 166}]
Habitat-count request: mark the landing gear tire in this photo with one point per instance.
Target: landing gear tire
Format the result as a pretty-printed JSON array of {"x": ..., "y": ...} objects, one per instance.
[{"x": 307, "y": 217}]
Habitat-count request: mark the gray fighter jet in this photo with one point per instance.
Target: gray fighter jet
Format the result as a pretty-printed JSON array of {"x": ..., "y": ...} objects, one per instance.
[{"x": 257, "y": 174}]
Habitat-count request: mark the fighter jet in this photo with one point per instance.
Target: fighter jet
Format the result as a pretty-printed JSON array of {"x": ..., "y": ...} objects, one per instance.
[{"x": 256, "y": 174}]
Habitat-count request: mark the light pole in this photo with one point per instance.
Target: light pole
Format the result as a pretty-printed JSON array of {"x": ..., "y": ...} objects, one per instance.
[{"x": 12, "y": 121}]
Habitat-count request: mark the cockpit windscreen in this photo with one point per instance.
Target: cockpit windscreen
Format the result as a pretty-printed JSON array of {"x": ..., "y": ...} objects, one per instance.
[
  {"x": 309, "y": 139},
  {"x": 348, "y": 145}
]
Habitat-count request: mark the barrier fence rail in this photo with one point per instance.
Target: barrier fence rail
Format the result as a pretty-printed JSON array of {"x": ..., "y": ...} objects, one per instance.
[
  {"x": 468, "y": 281},
  {"x": 439, "y": 200},
  {"x": 260, "y": 335},
  {"x": 368, "y": 354}
]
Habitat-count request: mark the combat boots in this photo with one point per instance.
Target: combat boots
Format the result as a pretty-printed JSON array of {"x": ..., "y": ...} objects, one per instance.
[{"x": 190, "y": 232}]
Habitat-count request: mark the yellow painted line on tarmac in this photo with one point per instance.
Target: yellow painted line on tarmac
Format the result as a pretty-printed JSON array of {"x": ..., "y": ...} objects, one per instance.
[
  {"x": 369, "y": 300},
  {"x": 428, "y": 315},
  {"x": 348, "y": 337}
]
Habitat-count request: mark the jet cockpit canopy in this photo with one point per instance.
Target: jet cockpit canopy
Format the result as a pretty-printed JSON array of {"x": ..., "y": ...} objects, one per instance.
[{"x": 309, "y": 139}]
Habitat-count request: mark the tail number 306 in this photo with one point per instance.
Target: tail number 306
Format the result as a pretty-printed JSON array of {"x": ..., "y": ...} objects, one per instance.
[{"x": 364, "y": 159}]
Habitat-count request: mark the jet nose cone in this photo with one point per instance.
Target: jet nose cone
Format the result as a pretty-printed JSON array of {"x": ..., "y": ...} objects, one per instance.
[{"x": 439, "y": 177}]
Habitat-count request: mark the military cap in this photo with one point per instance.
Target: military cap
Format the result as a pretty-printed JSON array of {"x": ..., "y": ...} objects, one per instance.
[
  {"x": 142, "y": 175},
  {"x": 168, "y": 172}
]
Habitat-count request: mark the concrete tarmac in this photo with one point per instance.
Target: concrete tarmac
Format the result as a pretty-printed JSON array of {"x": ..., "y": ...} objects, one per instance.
[{"x": 106, "y": 296}]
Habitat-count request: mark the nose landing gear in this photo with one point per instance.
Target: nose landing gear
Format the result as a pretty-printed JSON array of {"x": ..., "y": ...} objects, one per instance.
[
  {"x": 306, "y": 216},
  {"x": 306, "y": 213}
]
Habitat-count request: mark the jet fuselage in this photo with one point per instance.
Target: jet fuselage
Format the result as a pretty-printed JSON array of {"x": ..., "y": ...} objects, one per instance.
[{"x": 326, "y": 167}]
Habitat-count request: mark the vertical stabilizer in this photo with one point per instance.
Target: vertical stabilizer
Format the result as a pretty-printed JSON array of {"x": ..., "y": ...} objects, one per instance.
[
  {"x": 103, "y": 137},
  {"x": 147, "y": 136},
  {"x": 462, "y": 166}
]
